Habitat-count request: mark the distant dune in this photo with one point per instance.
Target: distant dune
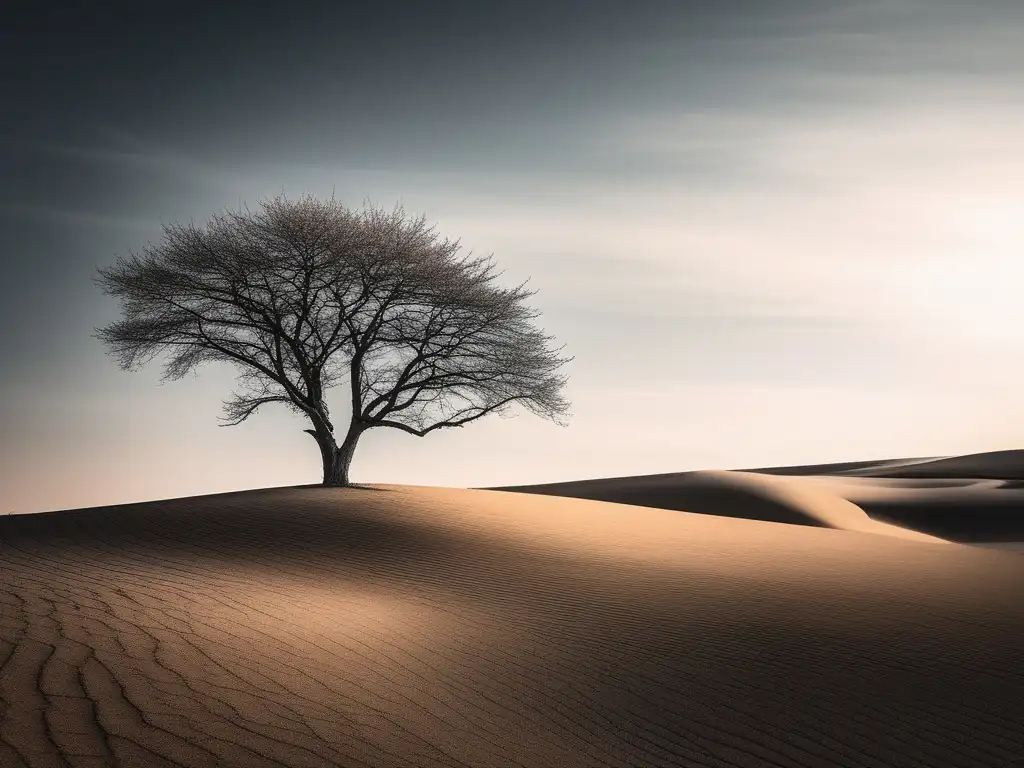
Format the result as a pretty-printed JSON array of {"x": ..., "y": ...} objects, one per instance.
[
  {"x": 977, "y": 498},
  {"x": 420, "y": 627},
  {"x": 844, "y": 468},
  {"x": 995, "y": 465},
  {"x": 732, "y": 494}
]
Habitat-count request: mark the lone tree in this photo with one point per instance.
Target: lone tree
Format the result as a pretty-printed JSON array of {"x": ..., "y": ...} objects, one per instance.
[{"x": 302, "y": 296}]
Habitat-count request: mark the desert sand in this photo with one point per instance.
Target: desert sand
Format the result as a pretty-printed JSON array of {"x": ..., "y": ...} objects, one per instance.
[
  {"x": 777, "y": 623},
  {"x": 977, "y": 498}
]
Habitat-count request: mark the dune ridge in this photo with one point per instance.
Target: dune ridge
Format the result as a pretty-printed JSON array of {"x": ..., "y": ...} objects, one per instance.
[
  {"x": 416, "y": 626},
  {"x": 995, "y": 465},
  {"x": 970, "y": 499},
  {"x": 733, "y": 494}
]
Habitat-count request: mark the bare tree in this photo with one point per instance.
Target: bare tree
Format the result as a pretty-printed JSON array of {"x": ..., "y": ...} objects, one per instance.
[{"x": 303, "y": 296}]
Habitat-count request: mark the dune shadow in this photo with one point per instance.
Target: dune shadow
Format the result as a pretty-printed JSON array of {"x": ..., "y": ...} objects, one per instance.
[
  {"x": 681, "y": 492},
  {"x": 962, "y": 520},
  {"x": 302, "y": 527}
]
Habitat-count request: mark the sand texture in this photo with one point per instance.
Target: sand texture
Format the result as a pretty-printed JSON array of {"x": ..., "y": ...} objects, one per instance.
[{"x": 415, "y": 626}]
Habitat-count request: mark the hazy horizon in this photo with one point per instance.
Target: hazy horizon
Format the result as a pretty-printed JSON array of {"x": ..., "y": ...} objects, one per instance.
[{"x": 769, "y": 234}]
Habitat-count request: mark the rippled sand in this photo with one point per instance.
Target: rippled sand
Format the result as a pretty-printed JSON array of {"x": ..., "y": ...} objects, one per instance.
[{"x": 420, "y": 627}]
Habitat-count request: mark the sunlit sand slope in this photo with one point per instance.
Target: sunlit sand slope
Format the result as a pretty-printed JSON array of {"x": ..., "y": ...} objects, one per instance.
[
  {"x": 733, "y": 494},
  {"x": 975, "y": 498},
  {"x": 420, "y": 627},
  {"x": 965, "y": 509}
]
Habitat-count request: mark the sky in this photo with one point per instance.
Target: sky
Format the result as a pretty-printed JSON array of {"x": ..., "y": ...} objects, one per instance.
[{"x": 769, "y": 233}]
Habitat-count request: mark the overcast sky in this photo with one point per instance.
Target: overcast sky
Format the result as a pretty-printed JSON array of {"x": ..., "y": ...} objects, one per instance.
[{"x": 769, "y": 232}]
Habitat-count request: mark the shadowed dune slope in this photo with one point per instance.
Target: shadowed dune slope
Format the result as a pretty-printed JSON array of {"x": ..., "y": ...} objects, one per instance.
[
  {"x": 975, "y": 498},
  {"x": 843, "y": 468},
  {"x": 995, "y": 465},
  {"x": 421, "y": 627},
  {"x": 731, "y": 494},
  {"x": 964, "y": 510},
  {"x": 744, "y": 495}
]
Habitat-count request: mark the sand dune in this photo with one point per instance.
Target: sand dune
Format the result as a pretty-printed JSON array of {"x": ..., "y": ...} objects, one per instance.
[
  {"x": 733, "y": 494},
  {"x": 978, "y": 498},
  {"x": 965, "y": 510},
  {"x": 974, "y": 498},
  {"x": 844, "y": 468},
  {"x": 412, "y": 626},
  {"x": 998, "y": 465}
]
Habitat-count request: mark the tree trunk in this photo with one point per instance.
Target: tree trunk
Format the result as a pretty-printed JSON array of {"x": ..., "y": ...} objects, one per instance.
[{"x": 338, "y": 458}]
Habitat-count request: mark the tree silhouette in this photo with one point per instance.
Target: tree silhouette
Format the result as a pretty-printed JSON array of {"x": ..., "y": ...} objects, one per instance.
[{"x": 302, "y": 296}]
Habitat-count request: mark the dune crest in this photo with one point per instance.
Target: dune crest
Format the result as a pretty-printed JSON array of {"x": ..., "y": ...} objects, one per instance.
[
  {"x": 997, "y": 465},
  {"x": 733, "y": 493},
  {"x": 968, "y": 499},
  {"x": 813, "y": 504}
]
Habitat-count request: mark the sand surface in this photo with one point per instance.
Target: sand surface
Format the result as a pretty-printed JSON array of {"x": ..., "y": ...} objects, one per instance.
[
  {"x": 420, "y": 627},
  {"x": 977, "y": 498}
]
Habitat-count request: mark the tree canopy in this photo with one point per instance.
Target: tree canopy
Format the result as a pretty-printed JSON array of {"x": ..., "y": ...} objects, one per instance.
[{"x": 302, "y": 296}]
